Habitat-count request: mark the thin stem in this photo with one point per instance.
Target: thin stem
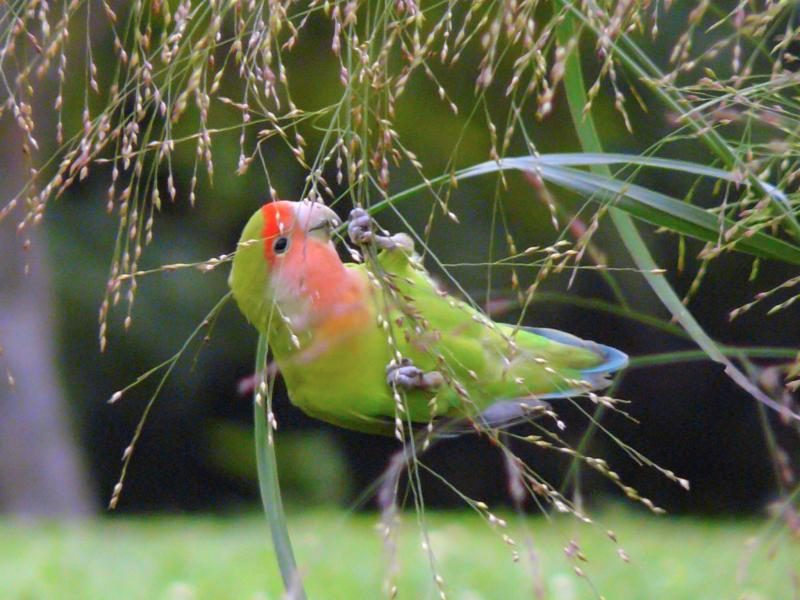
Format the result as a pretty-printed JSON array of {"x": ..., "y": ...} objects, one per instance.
[{"x": 739, "y": 352}]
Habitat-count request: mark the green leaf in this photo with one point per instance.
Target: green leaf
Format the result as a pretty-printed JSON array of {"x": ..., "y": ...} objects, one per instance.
[
  {"x": 639, "y": 252},
  {"x": 641, "y": 202},
  {"x": 267, "y": 467}
]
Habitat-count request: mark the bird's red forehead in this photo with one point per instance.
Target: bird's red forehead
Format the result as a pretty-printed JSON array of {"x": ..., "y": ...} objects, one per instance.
[{"x": 278, "y": 219}]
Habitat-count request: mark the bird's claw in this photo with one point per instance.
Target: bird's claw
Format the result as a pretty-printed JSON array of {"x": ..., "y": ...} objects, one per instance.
[
  {"x": 405, "y": 375},
  {"x": 360, "y": 227},
  {"x": 361, "y": 230}
]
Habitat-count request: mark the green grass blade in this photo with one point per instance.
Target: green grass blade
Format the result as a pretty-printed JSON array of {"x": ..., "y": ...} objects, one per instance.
[
  {"x": 641, "y": 202},
  {"x": 666, "y": 211},
  {"x": 638, "y": 250},
  {"x": 680, "y": 356},
  {"x": 269, "y": 485},
  {"x": 573, "y": 159},
  {"x": 647, "y": 72}
]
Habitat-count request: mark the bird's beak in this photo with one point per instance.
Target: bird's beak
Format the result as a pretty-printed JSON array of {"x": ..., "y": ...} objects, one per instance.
[{"x": 316, "y": 217}]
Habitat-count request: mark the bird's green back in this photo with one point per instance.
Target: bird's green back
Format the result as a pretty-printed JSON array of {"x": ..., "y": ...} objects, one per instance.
[{"x": 485, "y": 361}]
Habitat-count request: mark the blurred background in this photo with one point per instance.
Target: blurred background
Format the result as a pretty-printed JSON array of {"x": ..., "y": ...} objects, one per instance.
[{"x": 61, "y": 441}]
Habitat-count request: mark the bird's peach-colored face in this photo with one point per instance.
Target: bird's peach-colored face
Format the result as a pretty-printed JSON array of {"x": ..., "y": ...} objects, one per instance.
[{"x": 289, "y": 226}]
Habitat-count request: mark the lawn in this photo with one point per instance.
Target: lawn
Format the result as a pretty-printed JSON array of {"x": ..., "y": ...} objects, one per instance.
[{"x": 343, "y": 556}]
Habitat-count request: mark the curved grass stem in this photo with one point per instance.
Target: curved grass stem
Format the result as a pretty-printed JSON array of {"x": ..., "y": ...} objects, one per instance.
[
  {"x": 638, "y": 250},
  {"x": 268, "y": 483}
]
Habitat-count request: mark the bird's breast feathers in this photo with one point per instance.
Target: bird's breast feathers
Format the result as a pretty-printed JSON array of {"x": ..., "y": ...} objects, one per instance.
[{"x": 325, "y": 311}]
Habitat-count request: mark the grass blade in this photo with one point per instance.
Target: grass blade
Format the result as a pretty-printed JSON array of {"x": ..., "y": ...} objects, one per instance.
[
  {"x": 638, "y": 250},
  {"x": 269, "y": 485},
  {"x": 647, "y": 72},
  {"x": 641, "y": 202}
]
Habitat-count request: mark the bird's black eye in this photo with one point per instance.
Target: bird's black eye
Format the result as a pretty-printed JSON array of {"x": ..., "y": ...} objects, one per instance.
[{"x": 280, "y": 245}]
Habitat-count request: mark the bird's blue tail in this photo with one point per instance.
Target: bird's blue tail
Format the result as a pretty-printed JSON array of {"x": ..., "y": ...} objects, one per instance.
[{"x": 613, "y": 360}]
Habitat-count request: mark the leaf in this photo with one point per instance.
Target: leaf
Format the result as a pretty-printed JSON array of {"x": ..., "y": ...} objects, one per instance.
[
  {"x": 641, "y": 202},
  {"x": 267, "y": 467}
]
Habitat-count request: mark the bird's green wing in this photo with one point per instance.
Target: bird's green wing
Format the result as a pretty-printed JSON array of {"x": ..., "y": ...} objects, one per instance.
[{"x": 486, "y": 362}]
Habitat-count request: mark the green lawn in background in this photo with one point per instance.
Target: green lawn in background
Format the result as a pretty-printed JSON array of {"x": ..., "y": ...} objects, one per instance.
[{"x": 342, "y": 555}]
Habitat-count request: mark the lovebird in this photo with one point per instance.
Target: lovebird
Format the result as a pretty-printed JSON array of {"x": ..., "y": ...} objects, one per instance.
[{"x": 370, "y": 345}]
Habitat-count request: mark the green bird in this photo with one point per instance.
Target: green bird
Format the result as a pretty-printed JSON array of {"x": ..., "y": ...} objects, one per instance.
[{"x": 372, "y": 346}]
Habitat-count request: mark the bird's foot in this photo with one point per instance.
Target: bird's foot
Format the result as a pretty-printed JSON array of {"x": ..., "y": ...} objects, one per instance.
[
  {"x": 362, "y": 231},
  {"x": 360, "y": 227},
  {"x": 405, "y": 375}
]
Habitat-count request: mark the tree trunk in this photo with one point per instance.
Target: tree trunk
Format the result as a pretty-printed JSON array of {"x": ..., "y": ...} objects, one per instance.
[{"x": 41, "y": 470}]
